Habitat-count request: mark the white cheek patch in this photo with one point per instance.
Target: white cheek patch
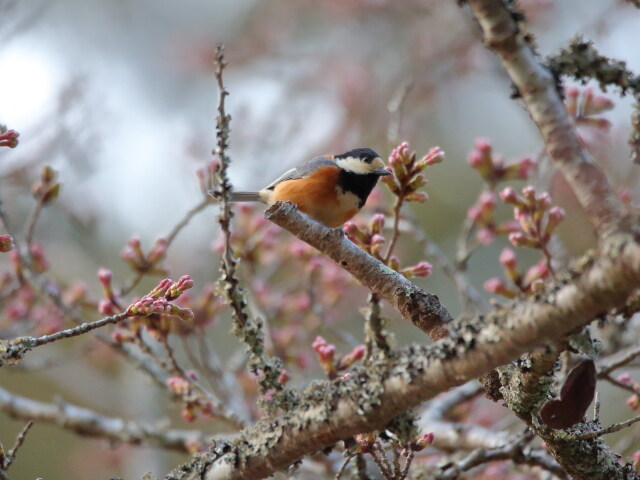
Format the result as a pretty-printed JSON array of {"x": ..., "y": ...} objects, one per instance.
[{"x": 356, "y": 165}]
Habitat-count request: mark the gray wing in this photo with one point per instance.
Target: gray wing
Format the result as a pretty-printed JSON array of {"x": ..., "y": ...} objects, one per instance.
[{"x": 302, "y": 171}]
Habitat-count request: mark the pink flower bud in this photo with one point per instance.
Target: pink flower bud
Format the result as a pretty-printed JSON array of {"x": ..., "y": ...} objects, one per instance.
[
  {"x": 509, "y": 195},
  {"x": 422, "y": 269},
  {"x": 377, "y": 223},
  {"x": 192, "y": 375},
  {"x": 134, "y": 242},
  {"x": 494, "y": 285},
  {"x": 556, "y": 215},
  {"x": 485, "y": 236},
  {"x": 525, "y": 166},
  {"x": 433, "y": 157},
  {"x": 377, "y": 240},
  {"x": 105, "y": 276},
  {"x": 529, "y": 192},
  {"x": 358, "y": 352},
  {"x": 625, "y": 378},
  {"x": 601, "y": 104},
  {"x": 178, "y": 385},
  {"x": 633, "y": 402},
  {"x": 9, "y": 138},
  {"x": 106, "y": 307},
  {"x": 422, "y": 442},
  {"x": 487, "y": 200},
  {"x": 543, "y": 202},
  {"x": 180, "y": 312},
  {"x": 158, "y": 251},
  {"x": 508, "y": 259},
  {"x": 475, "y": 213},
  {"x": 177, "y": 289},
  {"x": 161, "y": 289},
  {"x": 498, "y": 287},
  {"x": 483, "y": 145},
  {"x": 39, "y": 261},
  {"x": 6, "y": 243}
]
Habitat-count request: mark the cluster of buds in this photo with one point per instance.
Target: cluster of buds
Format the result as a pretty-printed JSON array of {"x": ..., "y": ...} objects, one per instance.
[
  {"x": 8, "y": 138},
  {"x": 206, "y": 177},
  {"x": 331, "y": 363},
  {"x": 193, "y": 401},
  {"x": 526, "y": 284},
  {"x": 407, "y": 178},
  {"x": 583, "y": 105},
  {"x": 158, "y": 300},
  {"x": 536, "y": 218},
  {"x": 483, "y": 213},
  {"x": 155, "y": 310},
  {"x": 492, "y": 168},
  {"x": 138, "y": 261},
  {"x": 46, "y": 189},
  {"x": 370, "y": 237},
  {"x": 6, "y": 243}
]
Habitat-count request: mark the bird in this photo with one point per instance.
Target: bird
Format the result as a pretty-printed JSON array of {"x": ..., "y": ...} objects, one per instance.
[{"x": 329, "y": 188}]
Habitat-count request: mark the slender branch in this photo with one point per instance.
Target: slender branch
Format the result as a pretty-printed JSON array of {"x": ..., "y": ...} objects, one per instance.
[
  {"x": 245, "y": 328},
  {"x": 625, "y": 357},
  {"x": 187, "y": 218},
  {"x": 89, "y": 423},
  {"x": 538, "y": 89},
  {"x": 31, "y": 224},
  {"x": 22, "y": 436},
  {"x": 12, "y": 350},
  {"x": 514, "y": 451},
  {"x": 605, "y": 431}
]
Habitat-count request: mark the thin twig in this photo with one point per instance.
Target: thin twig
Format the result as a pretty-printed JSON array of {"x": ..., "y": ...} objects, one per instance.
[
  {"x": 14, "y": 349},
  {"x": 350, "y": 457},
  {"x": 19, "y": 442},
  {"x": 171, "y": 236},
  {"x": 245, "y": 328},
  {"x": 87, "y": 422},
  {"x": 31, "y": 224},
  {"x": 605, "y": 431},
  {"x": 627, "y": 357}
]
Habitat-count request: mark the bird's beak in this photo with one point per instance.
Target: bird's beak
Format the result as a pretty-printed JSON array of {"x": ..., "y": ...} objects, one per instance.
[{"x": 382, "y": 172}]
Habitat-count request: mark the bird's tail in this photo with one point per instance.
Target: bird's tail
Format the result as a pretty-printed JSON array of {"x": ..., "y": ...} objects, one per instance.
[{"x": 246, "y": 197}]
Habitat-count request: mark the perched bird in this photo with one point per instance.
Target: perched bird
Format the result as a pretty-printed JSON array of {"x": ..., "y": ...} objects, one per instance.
[{"x": 331, "y": 188}]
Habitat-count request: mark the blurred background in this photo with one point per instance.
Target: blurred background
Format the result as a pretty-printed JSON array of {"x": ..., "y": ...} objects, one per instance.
[{"x": 119, "y": 98}]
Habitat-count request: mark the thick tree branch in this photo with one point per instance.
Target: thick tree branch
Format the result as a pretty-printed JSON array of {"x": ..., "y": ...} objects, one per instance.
[
  {"x": 89, "y": 423},
  {"x": 423, "y": 309},
  {"x": 330, "y": 411},
  {"x": 540, "y": 94}
]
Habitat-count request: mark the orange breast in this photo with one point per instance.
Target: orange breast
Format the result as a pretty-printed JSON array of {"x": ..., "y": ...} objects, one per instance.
[{"x": 316, "y": 195}]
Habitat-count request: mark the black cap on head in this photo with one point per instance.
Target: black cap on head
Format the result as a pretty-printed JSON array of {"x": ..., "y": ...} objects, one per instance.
[{"x": 366, "y": 154}]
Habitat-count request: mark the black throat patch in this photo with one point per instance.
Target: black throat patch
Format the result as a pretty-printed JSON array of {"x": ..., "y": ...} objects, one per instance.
[{"x": 358, "y": 184}]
